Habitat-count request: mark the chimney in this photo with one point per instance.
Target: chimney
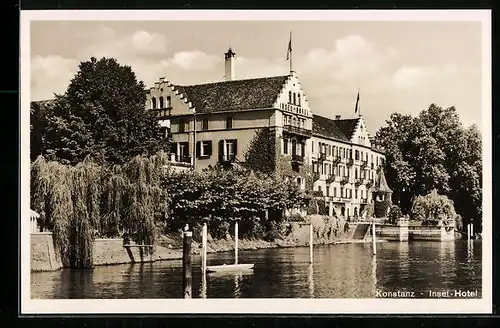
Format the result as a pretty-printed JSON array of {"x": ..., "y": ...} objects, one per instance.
[
  {"x": 337, "y": 117},
  {"x": 229, "y": 64}
]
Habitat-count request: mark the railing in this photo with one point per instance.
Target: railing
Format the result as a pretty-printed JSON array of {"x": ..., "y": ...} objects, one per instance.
[
  {"x": 364, "y": 164},
  {"x": 335, "y": 199},
  {"x": 358, "y": 182},
  {"x": 350, "y": 162},
  {"x": 344, "y": 180},
  {"x": 369, "y": 183},
  {"x": 183, "y": 159},
  {"x": 330, "y": 179},
  {"x": 364, "y": 201},
  {"x": 321, "y": 157},
  {"x": 297, "y": 130},
  {"x": 318, "y": 193},
  {"x": 337, "y": 159},
  {"x": 298, "y": 159}
]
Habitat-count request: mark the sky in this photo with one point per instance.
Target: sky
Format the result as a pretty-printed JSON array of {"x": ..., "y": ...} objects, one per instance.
[{"x": 396, "y": 66}]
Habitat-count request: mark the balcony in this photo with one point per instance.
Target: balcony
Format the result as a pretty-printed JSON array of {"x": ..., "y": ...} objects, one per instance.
[
  {"x": 330, "y": 179},
  {"x": 291, "y": 129},
  {"x": 369, "y": 183},
  {"x": 358, "y": 182},
  {"x": 364, "y": 164},
  {"x": 183, "y": 159},
  {"x": 321, "y": 157},
  {"x": 364, "y": 201},
  {"x": 228, "y": 158},
  {"x": 345, "y": 179},
  {"x": 318, "y": 193},
  {"x": 350, "y": 162},
  {"x": 335, "y": 199},
  {"x": 298, "y": 159},
  {"x": 337, "y": 159}
]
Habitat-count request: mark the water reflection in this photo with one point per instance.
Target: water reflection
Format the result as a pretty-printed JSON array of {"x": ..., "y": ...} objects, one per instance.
[
  {"x": 310, "y": 280},
  {"x": 338, "y": 271}
]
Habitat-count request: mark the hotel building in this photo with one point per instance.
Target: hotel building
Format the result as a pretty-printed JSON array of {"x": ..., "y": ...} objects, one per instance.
[{"x": 217, "y": 124}]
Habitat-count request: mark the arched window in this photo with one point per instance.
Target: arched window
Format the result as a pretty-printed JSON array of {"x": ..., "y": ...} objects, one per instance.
[
  {"x": 290, "y": 97},
  {"x": 153, "y": 102},
  {"x": 294, "y": 98},
  {"x": 161, "y": 102},
  {"x": 169, "y": 102}
]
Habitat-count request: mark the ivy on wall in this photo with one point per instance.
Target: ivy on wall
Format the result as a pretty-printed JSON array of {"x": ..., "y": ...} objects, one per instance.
[
  {"x": 381, "y": 207},
  {"x": 261, "y": 153}
]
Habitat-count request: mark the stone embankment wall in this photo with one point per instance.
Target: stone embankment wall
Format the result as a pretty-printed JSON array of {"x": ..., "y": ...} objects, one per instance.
[{"x": 327, "y": 230}]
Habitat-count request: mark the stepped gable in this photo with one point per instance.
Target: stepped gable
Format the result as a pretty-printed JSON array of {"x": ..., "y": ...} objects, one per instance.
[
  {"x": 234, "y": 95},
  {"x": 348, "y": 126},
  {"x": 382, "y": 185},
  {"x": 328, "y": 128}
]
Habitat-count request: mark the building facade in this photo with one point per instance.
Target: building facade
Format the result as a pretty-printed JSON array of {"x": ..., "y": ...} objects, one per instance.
[{"x": 220, "y": 123}]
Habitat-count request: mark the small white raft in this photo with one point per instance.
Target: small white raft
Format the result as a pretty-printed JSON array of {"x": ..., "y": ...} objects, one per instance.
[
  {"x": 236, "y": 267},
  {"x": 229, "y": 268}
]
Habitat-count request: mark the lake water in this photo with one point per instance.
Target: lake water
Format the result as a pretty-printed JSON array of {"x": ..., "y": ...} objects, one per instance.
[{"x": 338, "y": 271}]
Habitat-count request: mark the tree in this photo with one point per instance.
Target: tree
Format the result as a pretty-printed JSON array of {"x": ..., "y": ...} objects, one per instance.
[
  {"x": 434, "y": 151},
  {"x": 433, "y": 209},
  {"x": 102, "y": 114}
]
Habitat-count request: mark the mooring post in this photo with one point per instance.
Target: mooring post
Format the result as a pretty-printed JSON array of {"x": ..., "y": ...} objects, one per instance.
[
  {"x": 468, "y": 232},
  {"x": 311, "y": 242},
  {"x": 204, "y": 237},
  {"x": 186, "y": 263},
  {"x": 374, "y": 241},
  {"x": 236, "y": 242},
  {"x": 472, "y": 230}
]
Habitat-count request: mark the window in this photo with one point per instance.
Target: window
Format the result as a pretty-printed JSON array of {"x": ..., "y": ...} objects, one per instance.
[
  {"x": 204, "y": 148},
  {"x": 356, "y": 155},
  {"x": 294, "y": 98},
  {"x": 153, "y": 102},
  {"x": 161, "y": 102},
  {"x": 169, "y": 102},
  {"x": 204, "y": 124},
  {"x": 356, "y": 193},
  {"x": 302, "y": 149},
  {"x": 289, "y": 97},
  {"x": 327, "y": 191},
  {"x": 355, "y": 173},
  {"x": 182, "y": 126},
  {"x": 285, "y": 146},
  {"x": 229, "y": 123},
  {"x": 350, "y": 193},
  {"x": 298, "y": 99},
  {"x": 312, "y": 147},
  {"x": 341, "y": 192},
  {"x": 334, "y": 191}
]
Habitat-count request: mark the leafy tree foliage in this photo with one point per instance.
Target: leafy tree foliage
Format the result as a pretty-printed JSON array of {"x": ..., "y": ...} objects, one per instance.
[
  {"x": 101, "y": 114},
  {"x": 434, "y": 151},
  {"x": 218, "y": 197},
  {"x": 434, "y": 208}
]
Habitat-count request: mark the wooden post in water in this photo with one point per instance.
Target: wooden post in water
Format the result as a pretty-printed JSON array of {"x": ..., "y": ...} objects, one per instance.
[
  {"x": 472, "y": 230},
  {"x": 468, "y": 232},
  {"x": 374, "y": 241},
  {"x": 204, "y": 237},
  {"x": 186, "y": 264},
  {"x": 236, "y": 242},
  {"x": 311, "y": 242}
]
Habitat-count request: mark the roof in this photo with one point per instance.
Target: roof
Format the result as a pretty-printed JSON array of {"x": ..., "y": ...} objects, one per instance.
[
  {"x": 382, "y": 183},
  {"x": 336, "y": 129},
  {"x": 348, "y": 126},
  {"x": 328, "y": 128},
  {"x": 234, "y": 95}
]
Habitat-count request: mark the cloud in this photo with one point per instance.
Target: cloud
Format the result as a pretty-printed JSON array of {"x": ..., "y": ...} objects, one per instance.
[
  {"x": 51, "y": 74},
  {"x": 194, "y": 59},
  {"x": 413, "y": 76}
]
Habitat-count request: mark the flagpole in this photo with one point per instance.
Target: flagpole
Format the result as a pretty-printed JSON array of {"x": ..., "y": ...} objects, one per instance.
[
  {"x": 359, "y": 106},
  {"x": 291, "y": 52}
]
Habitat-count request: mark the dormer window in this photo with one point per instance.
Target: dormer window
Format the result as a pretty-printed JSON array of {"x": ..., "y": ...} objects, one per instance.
[
  {"x": 169, "y": 102},
  {"x": 229, "y": 122},
  {"x": 153, "y": 102},
  {"x": 161, "y": 102}
]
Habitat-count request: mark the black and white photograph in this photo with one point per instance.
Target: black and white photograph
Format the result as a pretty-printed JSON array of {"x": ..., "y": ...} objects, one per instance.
[{"x": 256, "y": 161}]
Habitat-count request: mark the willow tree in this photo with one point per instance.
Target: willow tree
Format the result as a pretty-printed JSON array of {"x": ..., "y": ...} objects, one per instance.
[{"x": 434, "y": 208}]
